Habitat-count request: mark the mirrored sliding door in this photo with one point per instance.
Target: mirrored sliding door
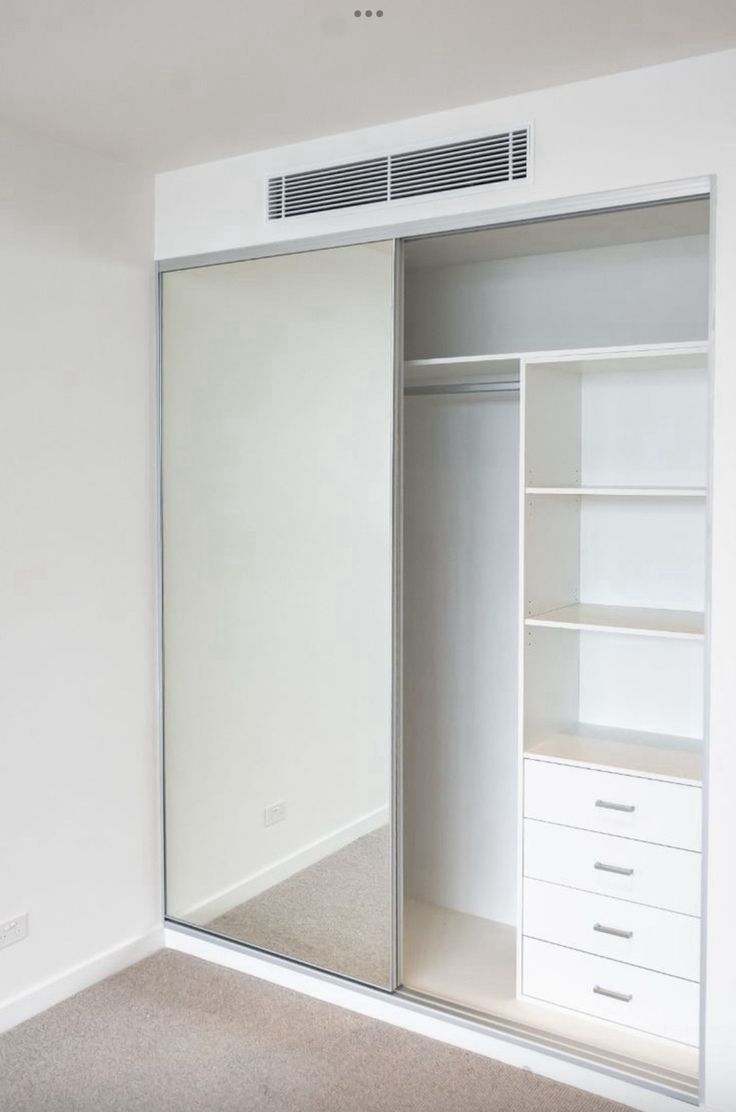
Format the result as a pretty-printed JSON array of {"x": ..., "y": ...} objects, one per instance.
[{"x": 277, "y": 445}]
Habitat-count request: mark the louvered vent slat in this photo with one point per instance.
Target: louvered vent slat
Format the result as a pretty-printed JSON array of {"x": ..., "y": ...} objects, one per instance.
[
  {"x": 468, "y": 162},
  {"x": 488, "y": 160},
  {"x": 349, "y": 171},
  {"x": 320, "y": 189},
  {"x": 519, "y": 154},
  {"x": 355, "y": 183},
  {"x": 275, "y": 198},
  {"x": 456, "y": 150}
]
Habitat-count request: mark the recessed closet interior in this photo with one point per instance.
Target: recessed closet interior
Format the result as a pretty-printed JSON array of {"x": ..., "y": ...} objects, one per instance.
[{"x": 553, "y": 590}]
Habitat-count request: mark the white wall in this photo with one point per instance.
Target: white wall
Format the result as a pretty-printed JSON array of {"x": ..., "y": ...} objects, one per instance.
[
  {"x": 78, "y": 780},
  {"x": 634, "y": 293},
  {"x": 642, "y": 130}
]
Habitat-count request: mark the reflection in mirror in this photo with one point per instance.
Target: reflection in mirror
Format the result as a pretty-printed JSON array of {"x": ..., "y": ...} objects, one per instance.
[{"x": 277, "y": 403}]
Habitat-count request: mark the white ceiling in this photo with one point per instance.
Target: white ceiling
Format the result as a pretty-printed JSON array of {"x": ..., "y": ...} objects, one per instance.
[{"x": 172, "y": 82}]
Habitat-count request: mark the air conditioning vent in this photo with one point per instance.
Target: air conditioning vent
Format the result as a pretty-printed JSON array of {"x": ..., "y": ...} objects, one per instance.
[
  {"x": 496, "y": 158},
  {"x": 336, "y": 187},
  {"x": 488, "y": 160}
]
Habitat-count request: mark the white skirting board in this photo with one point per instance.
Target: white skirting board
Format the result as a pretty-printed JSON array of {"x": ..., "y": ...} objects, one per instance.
[
  {"x": 400, "y": 1013},
  {"x": 45, "y": 995},
  {"x": 228, "y": 898}
]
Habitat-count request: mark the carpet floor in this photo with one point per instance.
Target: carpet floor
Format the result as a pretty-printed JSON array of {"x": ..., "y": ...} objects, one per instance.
[
  {"x": 334, "y": 914},
  {"x": 176, "y": 1034}
]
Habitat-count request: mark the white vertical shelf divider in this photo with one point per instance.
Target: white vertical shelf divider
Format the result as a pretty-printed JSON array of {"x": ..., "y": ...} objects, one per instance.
[{"x": 522, "y": 633}]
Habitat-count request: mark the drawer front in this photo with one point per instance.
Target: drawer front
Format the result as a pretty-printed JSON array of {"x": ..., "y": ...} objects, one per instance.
[
  {"x": 614, "y": 803},
  {"x": 606, "y": 989},
  {"x": 638, "y": 871},
  {"x": 663, "y": 941}
]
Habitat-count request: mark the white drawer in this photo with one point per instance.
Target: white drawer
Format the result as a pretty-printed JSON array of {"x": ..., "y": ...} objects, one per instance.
[
  {"x": 647, "y": 1001},
  {"x": 614, "y": 803},
  {"x": 611, "y": 928},
  {"x": 638, "y": 871}
]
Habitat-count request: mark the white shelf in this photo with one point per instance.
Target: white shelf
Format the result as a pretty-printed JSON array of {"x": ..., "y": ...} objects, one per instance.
[
  {"x": 664, "y": 357},
  {"x": 470, "y": 368},
  {"x": 686, "y": 624},
  {"x": 655, "y": 756},
  {"x": 621, "y": 491}
]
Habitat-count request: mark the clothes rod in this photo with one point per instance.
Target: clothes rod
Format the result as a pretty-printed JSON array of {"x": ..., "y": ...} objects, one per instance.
[{"x": 465, "y": 387}]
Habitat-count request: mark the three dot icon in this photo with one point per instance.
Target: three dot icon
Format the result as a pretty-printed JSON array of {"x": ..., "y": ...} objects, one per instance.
[{"x": 368, "y": 13}]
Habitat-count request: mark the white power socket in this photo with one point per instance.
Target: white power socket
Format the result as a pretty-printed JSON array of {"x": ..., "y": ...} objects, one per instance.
[
  {"x": 13, "y": 930},
  {"x": 275, "y": 813}
]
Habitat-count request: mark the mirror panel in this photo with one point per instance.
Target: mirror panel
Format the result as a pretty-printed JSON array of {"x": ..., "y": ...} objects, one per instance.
[{"x": 277, "y": 445}]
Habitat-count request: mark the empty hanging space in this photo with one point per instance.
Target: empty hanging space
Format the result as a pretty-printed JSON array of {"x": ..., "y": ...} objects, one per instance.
[{"x": 461, "y": 448}]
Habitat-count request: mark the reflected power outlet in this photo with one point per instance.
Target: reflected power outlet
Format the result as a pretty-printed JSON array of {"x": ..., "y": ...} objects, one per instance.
[
  {"x": 13, "y": 930},
  {"x": 275, "y": 813}
]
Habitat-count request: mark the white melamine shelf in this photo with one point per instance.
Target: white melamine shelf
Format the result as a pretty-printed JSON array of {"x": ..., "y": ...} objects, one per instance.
[
  {"x": 468, "y": 368},
  {"x": 464, "y": 360},
  {"x": 686, "y": 624},
  {"x": 654, "y": 756},
  {"x": 684, "y": 356},
  {"x": 621, "y": 491},
  {"x": 664, "y": 357}
]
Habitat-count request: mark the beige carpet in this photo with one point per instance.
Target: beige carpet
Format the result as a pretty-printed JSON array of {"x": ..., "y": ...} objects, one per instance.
[
  {"x": 335, "y": 914},
  {"x": 175, "y": 1034}
]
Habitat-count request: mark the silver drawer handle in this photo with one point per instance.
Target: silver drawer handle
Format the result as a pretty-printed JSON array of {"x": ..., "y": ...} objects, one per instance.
[
  {"x": 624, "y": 997},
  {"x": 618, "y": 869},
  {"x": 629, "y": 808},
  {"x": 612, "y": 930}
]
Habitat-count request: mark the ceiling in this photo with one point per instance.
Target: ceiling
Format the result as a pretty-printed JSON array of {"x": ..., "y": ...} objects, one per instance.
[
  {"x": 571, "y": 233},
  {"x": 171, "y": 82}
]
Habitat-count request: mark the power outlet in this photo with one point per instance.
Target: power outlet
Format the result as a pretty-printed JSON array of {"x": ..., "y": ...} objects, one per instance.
[
  {"x": 275, "y": 813},
  {"x": 13, "y": 930}
]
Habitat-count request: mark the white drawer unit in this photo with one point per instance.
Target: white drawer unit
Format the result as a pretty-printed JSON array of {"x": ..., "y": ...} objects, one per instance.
[
  {"x": 638, "y": 871},
  {"x": 614, "y": 803},
  {"x": 663, "y": 941},
  {"x": 610, "y": 990}
]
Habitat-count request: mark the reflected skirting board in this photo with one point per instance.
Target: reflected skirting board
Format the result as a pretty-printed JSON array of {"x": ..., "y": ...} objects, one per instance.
[
  {"x": 202, "y": 913},
  {"x": 335, "y": 914}
]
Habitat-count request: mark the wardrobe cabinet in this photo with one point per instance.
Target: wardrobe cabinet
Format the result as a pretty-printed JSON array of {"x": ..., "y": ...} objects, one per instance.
[
  {"x": 435, "y": 612},
  {"x": 553, "y": 809}
]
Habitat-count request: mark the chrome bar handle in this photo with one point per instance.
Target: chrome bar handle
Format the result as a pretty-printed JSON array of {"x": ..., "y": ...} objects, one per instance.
[
  {"x": 616, "y": 931},
  {"x": 628, "y": 808},
  {"x": 624, "y": 997},
  {"x": 618, "y": 869}
]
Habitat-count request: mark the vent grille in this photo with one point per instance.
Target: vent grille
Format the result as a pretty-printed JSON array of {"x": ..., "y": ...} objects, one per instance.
[
  {"x": 489, "y": 160},
  {"x": 496, "y": 158},
  {"x": 354, "y": 183}
]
